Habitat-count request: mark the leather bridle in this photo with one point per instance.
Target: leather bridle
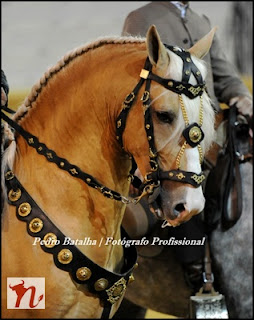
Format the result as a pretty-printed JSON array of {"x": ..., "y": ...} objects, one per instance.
[{"x": 192, "y": 133}]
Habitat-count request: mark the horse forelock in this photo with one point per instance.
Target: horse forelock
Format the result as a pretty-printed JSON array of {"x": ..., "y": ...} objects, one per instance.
[
  {"x": 192, "y": 106},
  {"x": 30, "y": 100}
]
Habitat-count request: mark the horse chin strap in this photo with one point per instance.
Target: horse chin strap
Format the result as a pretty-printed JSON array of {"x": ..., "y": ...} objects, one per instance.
[{"x": 192, "y": 133}]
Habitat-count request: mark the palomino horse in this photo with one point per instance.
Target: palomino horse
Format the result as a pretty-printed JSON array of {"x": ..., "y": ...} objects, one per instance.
[
  {"x": 166, "y": 291},
  {"x": 77, "y": 111}
]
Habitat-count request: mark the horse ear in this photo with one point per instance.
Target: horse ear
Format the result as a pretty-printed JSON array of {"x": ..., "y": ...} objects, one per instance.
[
  {"x": 157, "y": 52},
  {"x": 201, "y": 48}
]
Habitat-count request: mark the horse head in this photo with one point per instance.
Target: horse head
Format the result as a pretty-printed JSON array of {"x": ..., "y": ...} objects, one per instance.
[{"x": 176, "y": 128}]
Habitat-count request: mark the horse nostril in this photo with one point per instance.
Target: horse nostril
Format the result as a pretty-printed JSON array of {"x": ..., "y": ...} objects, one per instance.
[{"x": 178, "y": 209}]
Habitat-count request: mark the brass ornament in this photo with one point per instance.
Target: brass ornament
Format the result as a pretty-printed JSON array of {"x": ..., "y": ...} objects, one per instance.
[
  {"x": 195, "y": 91},
  {"x": 65, "y": 256},
  {"x": 62, "y": 164},
  {"x": 170, "y": 83},
  {"x": 14, "y": 195},
  {"x": 144, "y": 74},
  {"x": 171, "y": 174},
  {"x": 188, "y": 59},
  {"x": 24, "y": 209},
  {"x": 195, "y": 134},
  {"x": 198, "y": 179},
  {"x": 116, "y": 291},
  {"x": 131, "y": 279},
  {"x": 101, "y": 284},
  {"x": 35, "y": 225},
  {"x": 73, "y": 171},
  {"x": 119, "y": 123},
  {"x": 50, "y": 240},
  {"x": 180, "y": 176},
  {"x": 83, "y": 273},
  {"x": 9, "y": 175},
  {"x": 30, "y": 140},
  {"x": 180, "y": 87}
]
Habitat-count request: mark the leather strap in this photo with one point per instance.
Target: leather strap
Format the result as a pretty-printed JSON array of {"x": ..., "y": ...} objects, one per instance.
[{"x": 66, "y": 256}]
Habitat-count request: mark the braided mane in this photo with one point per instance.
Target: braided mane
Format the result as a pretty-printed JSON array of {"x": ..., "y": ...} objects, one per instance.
[{"x": 37, "y": 88}]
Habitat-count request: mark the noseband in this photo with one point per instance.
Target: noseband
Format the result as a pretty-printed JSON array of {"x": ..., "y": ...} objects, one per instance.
[{"x": 192, "y": 133}]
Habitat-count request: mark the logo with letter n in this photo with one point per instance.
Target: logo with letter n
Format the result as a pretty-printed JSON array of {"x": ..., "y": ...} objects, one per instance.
[{"x": 25, "y": 293}]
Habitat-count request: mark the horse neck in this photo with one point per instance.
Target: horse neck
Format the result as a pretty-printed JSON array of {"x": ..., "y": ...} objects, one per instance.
[{"x": 75, "y": 115}]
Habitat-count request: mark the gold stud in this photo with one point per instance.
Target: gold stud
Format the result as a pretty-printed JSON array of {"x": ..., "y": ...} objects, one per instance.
[
  {"x": 24, "y": 209},
  {"x": 170, "y": 83},
  {"x": 36, "y": 225},
  {"x": 50, "y": 240},
  {"x": 14, "y": 195},
  {"x": 61, "y": 164},
  {"x": 83, "y": 273},
  {"x": 171, "y": 174},
  {"x": 101, "y": 284},
  {"x": 40, "y": 148},
  {"x": 195, "y": 134},
  {"x": 88, "y": 180},
  {"x": 149, "y": 138},
  {"x": 198, "y": 73},
  {"x": 73, "y": 171},
  {"x": 30, "y": 140},
  {"x": 144, "y": 74},
  {"x": 131, "y": 279},
  {"x": 9, "y": 175},
  {"x": 148, "y": 126},
  {"x": 119, "y": 123},
  {"x": 117, "y": 138},
  {"x": 187, "y": 72},
  {"x": 64, "y": 256},
  {"x": 188, "y": 59}
]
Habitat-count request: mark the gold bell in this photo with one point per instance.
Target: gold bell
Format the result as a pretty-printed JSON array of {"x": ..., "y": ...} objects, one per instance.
[
  {"x": 131, "y": 279},
  {"x": 50, "y": 240},
  {"x": 101, "y": 284},
  {"x": 14, "y": 195},
  {"x": 36, "y": 225},
  {"x": 83, "y": 273},
  {"x": 24, "y": 209},
  {"x": 64, "y": 256}
]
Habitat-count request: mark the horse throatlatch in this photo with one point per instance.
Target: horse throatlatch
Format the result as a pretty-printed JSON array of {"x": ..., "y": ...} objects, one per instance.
[{"x": 192, "y": 133}]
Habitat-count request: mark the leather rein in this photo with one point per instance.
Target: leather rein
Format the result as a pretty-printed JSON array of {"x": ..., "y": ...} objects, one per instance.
[{"x": 109, "y": 286}]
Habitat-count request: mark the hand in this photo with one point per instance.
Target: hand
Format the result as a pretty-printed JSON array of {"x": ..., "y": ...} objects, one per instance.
[
  {"x": 3, "y": 97},
  {"x": 243, "y": 104}
]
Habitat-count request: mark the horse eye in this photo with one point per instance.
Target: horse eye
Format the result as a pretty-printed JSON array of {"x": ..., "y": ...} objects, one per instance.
[{"x": 165, "y": 116}]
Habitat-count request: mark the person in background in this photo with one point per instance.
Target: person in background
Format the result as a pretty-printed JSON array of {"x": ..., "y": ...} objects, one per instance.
[
  {"x": 4, "y": 89},
  {"x": 179, "y": 25}
]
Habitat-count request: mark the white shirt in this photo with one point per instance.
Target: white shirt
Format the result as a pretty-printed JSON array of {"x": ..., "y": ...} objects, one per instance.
[{"x": 181, "y": 6}]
